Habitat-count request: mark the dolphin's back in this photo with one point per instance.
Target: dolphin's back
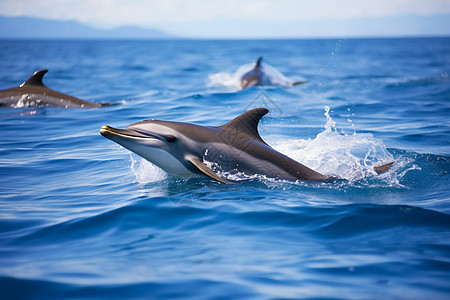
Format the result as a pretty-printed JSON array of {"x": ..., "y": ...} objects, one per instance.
[
  {"x": 237, "y": 146},
  {"x": 252, "y": 155}
]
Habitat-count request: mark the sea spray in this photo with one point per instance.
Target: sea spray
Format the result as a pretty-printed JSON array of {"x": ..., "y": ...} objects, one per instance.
[
  {"x": 144, "y": 171},
  {"x": 232, "y": 80},
  {"x": 351, "y": 157}
]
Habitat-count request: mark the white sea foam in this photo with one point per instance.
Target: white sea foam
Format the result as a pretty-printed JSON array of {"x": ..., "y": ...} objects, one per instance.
[
  {"x": 346, "y": 156},
  {"x": 144, "y": 171}
]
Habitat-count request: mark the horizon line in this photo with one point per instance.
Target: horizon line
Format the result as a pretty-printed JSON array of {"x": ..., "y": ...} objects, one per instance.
[
  {"x": 102, "y": 33},
  {"x": 181, "y": 38}
]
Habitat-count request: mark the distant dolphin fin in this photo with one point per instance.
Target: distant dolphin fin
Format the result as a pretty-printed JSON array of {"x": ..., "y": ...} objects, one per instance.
[
  {"x": 246, "y": 124},
  {"x": 36, "y": 78},
  {"x": 207, "y": 171},
  {"x": 258, "y": 63},
  {"x": 299, "y": 82},
  {"x": 383, "y": 168}
]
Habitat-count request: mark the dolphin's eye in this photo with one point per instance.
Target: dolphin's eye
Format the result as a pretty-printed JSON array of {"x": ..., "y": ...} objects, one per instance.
[{"x": 171, "y": 138}]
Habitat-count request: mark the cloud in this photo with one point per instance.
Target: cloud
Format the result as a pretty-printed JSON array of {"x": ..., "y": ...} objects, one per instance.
[
  {"x": 238, "y": 18},
  {"x": 153, "y": 12}
]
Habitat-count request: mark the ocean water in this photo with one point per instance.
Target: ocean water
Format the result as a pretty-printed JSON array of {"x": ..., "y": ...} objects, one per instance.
[{"x": 83, "y": 218}]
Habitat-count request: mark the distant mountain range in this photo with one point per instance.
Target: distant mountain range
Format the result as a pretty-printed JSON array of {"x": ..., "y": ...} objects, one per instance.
[{"x": 27, "y": 27}]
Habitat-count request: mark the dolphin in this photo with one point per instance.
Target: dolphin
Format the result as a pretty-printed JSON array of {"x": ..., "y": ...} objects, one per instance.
[
  {"x": 257, "y": 76},
  {"x": 188, "y": 150},
  {"x": 33, "y": 93},
  {"x": 252, "y": 77}
]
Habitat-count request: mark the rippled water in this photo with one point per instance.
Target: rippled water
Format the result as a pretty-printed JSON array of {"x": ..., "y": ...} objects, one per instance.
[{"x": 81, "y": 217}]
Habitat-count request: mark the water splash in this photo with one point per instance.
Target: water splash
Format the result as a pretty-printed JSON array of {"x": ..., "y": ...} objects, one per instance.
[
  {"x": 223, "y": 80},
  {"x": 409, "y": 82},
  {"x": 232, "y": 81},
  {"x": 25, "y": 101},
  {"x": 351, "y": 157},
  {"x": 144, "y": 171}
]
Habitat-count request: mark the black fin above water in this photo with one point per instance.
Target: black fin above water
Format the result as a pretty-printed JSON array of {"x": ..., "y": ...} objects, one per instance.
[
  {"x": 36, "y": 78},
  {"x": 246, "y": 124},
  {"x": 258, "y": 63}
]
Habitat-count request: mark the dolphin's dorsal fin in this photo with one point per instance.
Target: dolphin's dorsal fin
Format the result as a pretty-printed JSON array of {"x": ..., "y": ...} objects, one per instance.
[
  {"x": 258, "y": 63},
  {"x": 36, "y": 78},
  {"x": 246, "y": 125}
]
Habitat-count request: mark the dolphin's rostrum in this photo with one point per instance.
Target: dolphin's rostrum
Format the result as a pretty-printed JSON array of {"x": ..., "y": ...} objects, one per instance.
[{"x": 33, "y": 93}]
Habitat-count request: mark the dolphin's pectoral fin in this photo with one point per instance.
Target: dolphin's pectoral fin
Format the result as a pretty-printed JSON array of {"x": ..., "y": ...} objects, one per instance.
[
  {"x": 383, "y": 168},
  {"x": 207, "y": 171}
]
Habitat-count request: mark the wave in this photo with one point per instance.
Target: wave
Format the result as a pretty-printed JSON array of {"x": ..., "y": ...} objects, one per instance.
[
  {"x": 343, "y": 233},
  {"x": 17, "y": 288},
  {"x": 411, "y": 82},
  {"x": 368, "y": 219}
]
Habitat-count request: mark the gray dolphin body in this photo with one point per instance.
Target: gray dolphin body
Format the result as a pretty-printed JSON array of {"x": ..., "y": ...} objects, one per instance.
[
  {"x": 187, "y": 150},
  {"x": 252, "y": 77},
  {"x": 257, "y": 76},
  {"x": 33, "y": 93}
]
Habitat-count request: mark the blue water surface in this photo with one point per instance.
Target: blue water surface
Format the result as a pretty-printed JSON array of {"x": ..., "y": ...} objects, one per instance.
[{"x": 81, "y": 217}]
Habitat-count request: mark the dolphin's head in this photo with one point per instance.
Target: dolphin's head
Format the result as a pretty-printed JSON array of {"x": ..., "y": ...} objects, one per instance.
[{"x": 156, "y": 141}]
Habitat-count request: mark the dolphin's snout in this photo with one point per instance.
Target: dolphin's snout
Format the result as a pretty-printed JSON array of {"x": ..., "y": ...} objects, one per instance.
[
  {"x": 108, "y": 131},
  {"x": 105, "y": 130}
]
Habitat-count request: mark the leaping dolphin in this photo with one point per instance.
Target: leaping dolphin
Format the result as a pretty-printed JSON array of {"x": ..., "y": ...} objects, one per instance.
[
  {"x": 33, "y": 93},
  {"x": 187, "y": 150},
  {"x": 252, "y": 77},
  {"x": 257, "y": 76},
  {"x": 184, "y": 150}
]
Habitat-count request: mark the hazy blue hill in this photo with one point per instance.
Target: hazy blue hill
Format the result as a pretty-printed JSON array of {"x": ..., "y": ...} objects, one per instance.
[{"x": 27, "y": 27}]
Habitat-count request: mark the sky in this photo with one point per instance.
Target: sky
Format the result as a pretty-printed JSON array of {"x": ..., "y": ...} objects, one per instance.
[{"x": 249, "y": 18}]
